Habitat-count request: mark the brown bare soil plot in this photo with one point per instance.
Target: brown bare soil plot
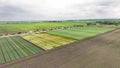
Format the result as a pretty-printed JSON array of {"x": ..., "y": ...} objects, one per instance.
[{"x": 98, "y": 52}]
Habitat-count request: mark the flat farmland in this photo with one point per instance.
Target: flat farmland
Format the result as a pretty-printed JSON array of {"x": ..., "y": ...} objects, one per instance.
[
  {"x": 97, "y": 52},
  {"x": 81, "y": 32},
  {"x": 47, "y": 41},
  {"x": 13, "y": 28},
  {"x": 13, "y": 48}
]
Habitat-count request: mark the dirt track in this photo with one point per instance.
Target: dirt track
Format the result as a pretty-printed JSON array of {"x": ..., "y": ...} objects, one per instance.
[{"x": 98, "y": 52}]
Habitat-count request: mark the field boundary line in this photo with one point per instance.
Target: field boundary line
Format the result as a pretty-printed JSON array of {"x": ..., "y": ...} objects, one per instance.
[{"x": 49, "y": 51}]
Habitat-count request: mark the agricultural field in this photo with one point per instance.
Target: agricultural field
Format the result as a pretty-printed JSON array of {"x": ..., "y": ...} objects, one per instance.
[
  {"x": 14, "y": 48},
  {"x": 101, "y": 51},
  {"x": 81, "y": 32},
  {"x": 47, "y": 41},
  {"x": 13, "y": 28}
]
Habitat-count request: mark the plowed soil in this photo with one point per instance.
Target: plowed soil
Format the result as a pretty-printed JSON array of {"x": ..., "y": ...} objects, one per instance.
[{"x": 102, "y": 51}]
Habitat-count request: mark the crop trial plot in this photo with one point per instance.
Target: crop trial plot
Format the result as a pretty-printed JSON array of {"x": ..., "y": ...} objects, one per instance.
[
  {"x": 13, "y": 48},
  {"x": 47, "y": 41},
  {"x": 80, "y": 33}
]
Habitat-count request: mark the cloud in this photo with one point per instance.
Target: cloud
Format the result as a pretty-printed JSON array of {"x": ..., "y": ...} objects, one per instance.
[{"x": 58, "y": 9}]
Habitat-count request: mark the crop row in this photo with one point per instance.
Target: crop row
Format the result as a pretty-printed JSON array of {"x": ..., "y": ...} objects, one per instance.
[
  {"x": 80, "y": 33},
  {"x": 13, "y": 48},
  {"x": 47, "y": 41}
]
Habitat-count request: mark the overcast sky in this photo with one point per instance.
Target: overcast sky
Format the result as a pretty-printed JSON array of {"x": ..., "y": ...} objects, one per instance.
[{"x": 58, "y": 9}]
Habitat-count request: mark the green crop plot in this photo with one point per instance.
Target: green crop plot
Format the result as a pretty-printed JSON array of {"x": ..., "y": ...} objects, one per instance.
[
  {"x": 80, "y": 33},
  {"x": 47, "y": 41},
  {"x": 13, "y": 48},
  {"x": 23, "y": 27}
]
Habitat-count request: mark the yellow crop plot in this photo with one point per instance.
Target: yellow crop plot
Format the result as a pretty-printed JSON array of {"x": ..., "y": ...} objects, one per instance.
[{"x": 47, "y": 41}]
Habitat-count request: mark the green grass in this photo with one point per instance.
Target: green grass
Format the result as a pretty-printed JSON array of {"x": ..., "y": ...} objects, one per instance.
[
  {"x": 80, "y": 33},
  {"x": 13, "y": 48},
  {"x": 22, "y": 27}
]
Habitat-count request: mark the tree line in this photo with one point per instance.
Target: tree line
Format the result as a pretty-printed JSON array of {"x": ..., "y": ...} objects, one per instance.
[{"x": 116, "y": 23}]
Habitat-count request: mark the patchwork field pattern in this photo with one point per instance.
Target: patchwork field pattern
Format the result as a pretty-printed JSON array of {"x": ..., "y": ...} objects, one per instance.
[
  {"x": 47, "y": 41},
  {"x": 13, "y": 48},
  {"x": 102, "y": 51},
  {"x": 80, "y": 33}
]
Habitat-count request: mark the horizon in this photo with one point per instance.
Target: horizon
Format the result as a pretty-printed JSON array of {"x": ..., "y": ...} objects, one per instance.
[{"x": 59, "y": 20}]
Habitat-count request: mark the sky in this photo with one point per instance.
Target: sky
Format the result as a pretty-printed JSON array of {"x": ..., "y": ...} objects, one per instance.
[{"x": 30, "y": 10}]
